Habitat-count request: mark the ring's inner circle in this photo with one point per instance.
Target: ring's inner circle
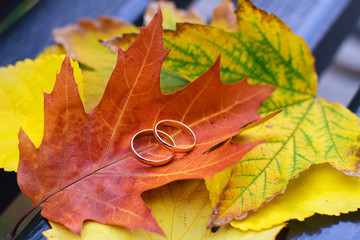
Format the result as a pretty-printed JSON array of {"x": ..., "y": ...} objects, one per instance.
[
  {"x": 182, "y": 136},
  {"x": 146, "y": 146}
]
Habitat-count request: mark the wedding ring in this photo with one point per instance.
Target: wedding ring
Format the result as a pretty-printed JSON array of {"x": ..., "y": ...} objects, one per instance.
[
  {"x": 180, "y": 126},
  {"x": 150, "y": 162}
]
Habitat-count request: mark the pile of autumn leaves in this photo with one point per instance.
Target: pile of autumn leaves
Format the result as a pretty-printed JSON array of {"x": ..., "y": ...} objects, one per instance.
[{"x": 296, "y": 171}]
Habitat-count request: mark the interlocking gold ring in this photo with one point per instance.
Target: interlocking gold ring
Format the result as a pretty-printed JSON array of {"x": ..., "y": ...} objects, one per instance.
[
  {"x": 180, "y": 126},
  {"x": 149, "y": 161}
]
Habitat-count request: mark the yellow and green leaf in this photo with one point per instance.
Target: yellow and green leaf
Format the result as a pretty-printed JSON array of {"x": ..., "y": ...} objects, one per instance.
[
  {"x": 317, "y": 132},
  {"x": 181, "y": 208},
  {"x": 22, "y": 102},
  {"x": 309, "y": 131},
  {"x": 320, "y": 189}
]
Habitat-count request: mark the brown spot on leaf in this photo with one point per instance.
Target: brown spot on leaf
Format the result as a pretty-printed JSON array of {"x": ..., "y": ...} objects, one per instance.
[
  {"x": 351, "y": 151},
  {"x": 358, "y": 153}
]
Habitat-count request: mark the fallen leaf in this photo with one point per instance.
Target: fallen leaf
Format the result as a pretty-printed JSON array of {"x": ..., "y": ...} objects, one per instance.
[
  {"x": 171, "y": 14},
  {"x": 84, "y": 168},
  {"x": 309, "y": 131},
  {"x": 224, "y": 16},
  {"x": 22, "y": 104},
  {"x": 320, "y": 189},
  {"x": 82, "y": 43},
  {"x": 182, "y": 210},
  {"x": 54, "y": 49},
  {"x": 256, "y": 51},
  {"x": 289, "y": 150}
]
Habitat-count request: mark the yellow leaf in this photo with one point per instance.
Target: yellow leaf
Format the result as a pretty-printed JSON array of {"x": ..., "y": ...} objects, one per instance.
[
  {"x": 22, "y": 102},
  {"x": 319, "y": 189},
  {"x": 82, "y": 42},
  {"x": 181, "y": 208},
  {"x": 54, "y": 49},
  {"x": 224, "y": 16},
  {"x": 171, "y": 15}
]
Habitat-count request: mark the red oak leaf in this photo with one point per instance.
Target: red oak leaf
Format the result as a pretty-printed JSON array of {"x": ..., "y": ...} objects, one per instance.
[{"x": 84, "y": 168}]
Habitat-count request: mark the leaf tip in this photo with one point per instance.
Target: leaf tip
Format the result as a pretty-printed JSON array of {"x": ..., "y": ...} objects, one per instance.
[
  {"x": 216, "y": 67},
  {"x": 158, "y": 18},
  {"x": 66, "y": 60},
  {"x": 23, "y": 138},
  {"x": 217, "y": 61}
]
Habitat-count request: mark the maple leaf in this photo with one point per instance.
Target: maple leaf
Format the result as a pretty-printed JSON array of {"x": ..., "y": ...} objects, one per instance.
[
  {"x": 84, "y": 169},
  {"x": 309, "y": 131},
  {"x": 21, "y": 97},
  {"x": 181, "y": 208}
]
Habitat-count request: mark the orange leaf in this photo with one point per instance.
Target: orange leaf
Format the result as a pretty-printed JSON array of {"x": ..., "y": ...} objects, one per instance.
[{"x": 84, "y": 168}]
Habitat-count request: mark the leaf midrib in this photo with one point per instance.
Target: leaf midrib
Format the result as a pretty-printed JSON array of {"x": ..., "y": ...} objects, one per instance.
[
  {"x": 128, "y": 98},
  {"x": 110, "y": 141},
  {"x": 272, "y": 159},
  {"x": 228, "y": 70}
]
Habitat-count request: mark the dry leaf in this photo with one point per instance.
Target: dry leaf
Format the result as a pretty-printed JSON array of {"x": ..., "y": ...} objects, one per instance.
[
  {"x": 171, "y": 14},
  {"x": 84, "y": 168},
  {"x": 82, "y": 41},
  {"x": 224, "y": 16}
]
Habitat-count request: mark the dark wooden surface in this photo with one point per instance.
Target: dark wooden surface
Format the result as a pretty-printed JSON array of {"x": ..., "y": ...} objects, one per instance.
[
  {"x": 28, "y": 37},
  {"x": 322, "y": 23}
]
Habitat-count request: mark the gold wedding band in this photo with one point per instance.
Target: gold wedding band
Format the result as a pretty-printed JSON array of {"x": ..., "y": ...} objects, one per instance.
[
  {"x": 180, "y": 126},
  {"x": 149, "y": 161}
]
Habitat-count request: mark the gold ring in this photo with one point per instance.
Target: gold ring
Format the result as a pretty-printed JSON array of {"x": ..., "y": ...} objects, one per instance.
[
  {"x": 149, "y": 161},
  {"x": 180, "y": 126}
]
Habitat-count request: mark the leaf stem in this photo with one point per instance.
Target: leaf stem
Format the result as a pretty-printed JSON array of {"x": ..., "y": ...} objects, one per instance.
[{"x": 13, "y": 232}]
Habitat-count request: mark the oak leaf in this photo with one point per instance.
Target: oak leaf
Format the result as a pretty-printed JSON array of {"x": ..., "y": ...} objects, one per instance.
[
  {"x": 309, "y": 131},
  {"x": 84, "y": 168},
  {"x": 82, "y": 43},
  {"x": 181, "y": 208},
  {"x": 22, "y": 104}
]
